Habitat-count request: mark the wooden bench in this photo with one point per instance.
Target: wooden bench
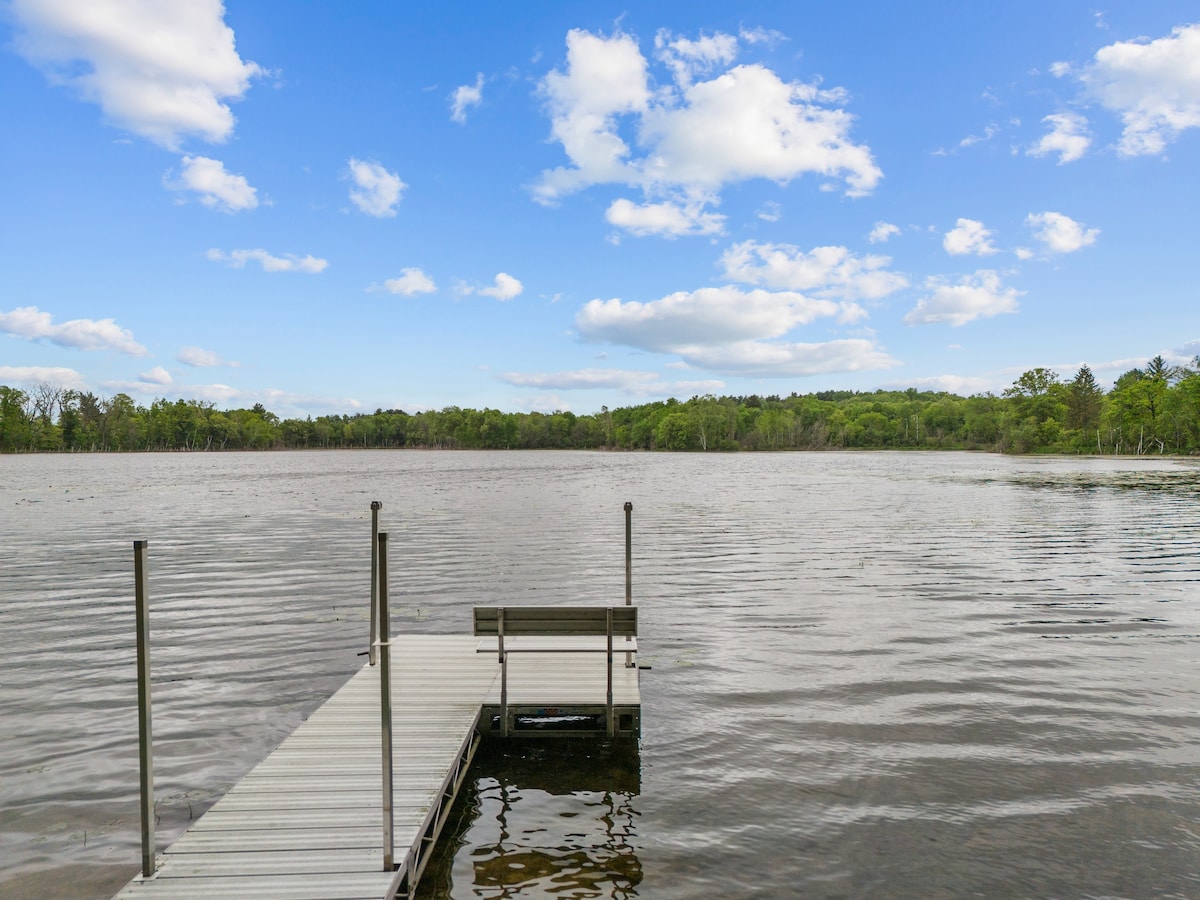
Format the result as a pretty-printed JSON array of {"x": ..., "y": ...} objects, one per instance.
[{"x": 555, "y": 629}]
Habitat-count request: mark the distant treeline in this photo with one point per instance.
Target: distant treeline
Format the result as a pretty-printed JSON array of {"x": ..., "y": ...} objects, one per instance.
[{"x": 1155, "y": 409}]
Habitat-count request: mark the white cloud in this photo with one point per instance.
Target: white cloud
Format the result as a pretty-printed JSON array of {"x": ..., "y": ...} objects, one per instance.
[
  {"x": 1059, "y": 233},
  {"x": 160, "y": 70},
  {"x": 770, "y": 212},
  {"x": 505, "y": 287},
  {"x": 760, "y": 35},
  {"x": 989, "y": 132},
  {"x": 157, "y": 375},
  {"x": 412, "y": 281},
  {"x": 81, "y": 334},
  {"x": 968, "y": 236},
  {"x": 1068, "y": 137},
  {"x": 199, "y": 358},
  {"x": 728, "y": 330},
  {"x": 464, "y": 97},
  {"x": 822, "y": 271},
  {"x": 1023, "y": 253},
  {"x": 687, "y": 58},
  {"x": 289, "y": 262},
  {"x": 1154, "y": 86},
  {"x": 377, "y": 191},
  {"x": 882, "y": 232},
  {"x": 963, "y": 385},
  {"x": 217, "y": 188},
  {"x": 630, "y": 382},
  {"x": 975, "y": 296},
  {"x": 694, "y": 136},
  {"x": 667, "y": 219},
  {"x": 708, "y": 316},
  {"x": 772, "y": 360},
  {"x": 57, "y": 376}
]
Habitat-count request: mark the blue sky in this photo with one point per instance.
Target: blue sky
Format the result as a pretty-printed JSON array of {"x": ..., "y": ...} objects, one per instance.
[{"x": 337, "y": 207}]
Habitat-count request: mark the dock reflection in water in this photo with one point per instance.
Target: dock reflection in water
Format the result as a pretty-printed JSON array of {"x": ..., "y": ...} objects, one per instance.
[{"x": 544, "y": 817}]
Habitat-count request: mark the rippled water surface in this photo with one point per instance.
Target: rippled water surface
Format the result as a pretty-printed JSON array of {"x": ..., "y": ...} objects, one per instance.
[{"x": 899, "y": 675}]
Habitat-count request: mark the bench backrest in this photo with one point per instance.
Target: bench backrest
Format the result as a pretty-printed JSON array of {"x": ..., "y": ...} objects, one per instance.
[{"x": 555, "y": 620}]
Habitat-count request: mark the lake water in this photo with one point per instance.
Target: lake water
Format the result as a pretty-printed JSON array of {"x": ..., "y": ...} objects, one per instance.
[{"x": 875, "y": 674}]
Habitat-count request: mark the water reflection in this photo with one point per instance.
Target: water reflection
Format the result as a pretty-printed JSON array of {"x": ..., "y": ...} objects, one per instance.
[{"x": 544, "y": 817}]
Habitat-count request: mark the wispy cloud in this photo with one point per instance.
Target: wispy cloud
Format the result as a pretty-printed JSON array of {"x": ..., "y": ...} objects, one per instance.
[
  {"x": 289, "y": 262},
  {"x": 200, "y": 358},
  {"x": 31, "y": 323},
  {"x": 464, "y": 97}
]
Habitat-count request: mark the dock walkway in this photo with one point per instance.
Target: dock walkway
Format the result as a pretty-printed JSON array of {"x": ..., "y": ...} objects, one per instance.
[{"x": 307, "y": 822}]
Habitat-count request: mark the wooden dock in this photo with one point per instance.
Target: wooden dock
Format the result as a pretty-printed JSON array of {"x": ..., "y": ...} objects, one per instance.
[{"x": 307, "y": 822}]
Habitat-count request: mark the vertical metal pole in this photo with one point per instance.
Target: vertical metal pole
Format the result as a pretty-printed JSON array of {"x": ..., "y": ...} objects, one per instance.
[
  {"x": 145, "y": 731},
  {"x": 385, "y": 705},
  {"x": 628, "y": 569},
  {"x": 503, "y": 672},
  {"x": 612, "y": 725},
  {"x": 373, "y": 654}
]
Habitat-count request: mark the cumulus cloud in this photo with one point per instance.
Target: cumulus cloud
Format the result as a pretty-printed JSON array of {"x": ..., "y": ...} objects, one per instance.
[
  {"x": 464, "y": 97},
  {"x": 160, "y": 70},
  {"x": 376, "y": 191},
  {"x": 31, "y": 323},
  {"x": 707, "y": 316},
  {"x": 1059, "y": 233},
  {"x": 412, "y": 281},
  {"x": 157, "y": 375},
  {"x": 882, "y": 232},
  {"x": 977, "y": 296},
  {"x": 1153, "y": 86},
  {"x": 200, "y": 358},
  {"x": 731, "y": 331},
  {"x": 831, "y": 272},
  {"x": 505, "y": 287},
  {"x": 289, "y": 262},
  {"x": 56, "y": 376},
  {"x": 696, "y": 134},
  {"x": 667, "y": 219},
  {"x": 217, "y": 188},
  {"x": 968, "y": 236},
  {"x": 1068, "y": 137},
  {"x": 768, "y": 360}
]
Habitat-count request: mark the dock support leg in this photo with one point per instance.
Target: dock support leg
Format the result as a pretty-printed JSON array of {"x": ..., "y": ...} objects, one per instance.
[
  {"x": 628, "y": 569},
  {"x": 503, "y": 672},
  {"x": 373, "y": 651},
  {"x": 145, "y": 731},
  {"x": 385, "y": 706},
  {"x": 609, "y": 721}
]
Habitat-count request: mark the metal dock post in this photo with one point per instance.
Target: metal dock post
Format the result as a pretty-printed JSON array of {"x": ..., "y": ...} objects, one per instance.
[{"x": 145, "y": 730}]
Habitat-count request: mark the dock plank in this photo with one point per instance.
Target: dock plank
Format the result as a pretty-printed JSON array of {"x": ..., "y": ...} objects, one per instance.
[{"x": 306, "y": 822}]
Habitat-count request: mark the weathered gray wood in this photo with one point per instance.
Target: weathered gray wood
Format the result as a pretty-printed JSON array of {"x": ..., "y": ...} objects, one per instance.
[
  {"x": 304, "y": 824},
  {"x": 555, "y": 620}
]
